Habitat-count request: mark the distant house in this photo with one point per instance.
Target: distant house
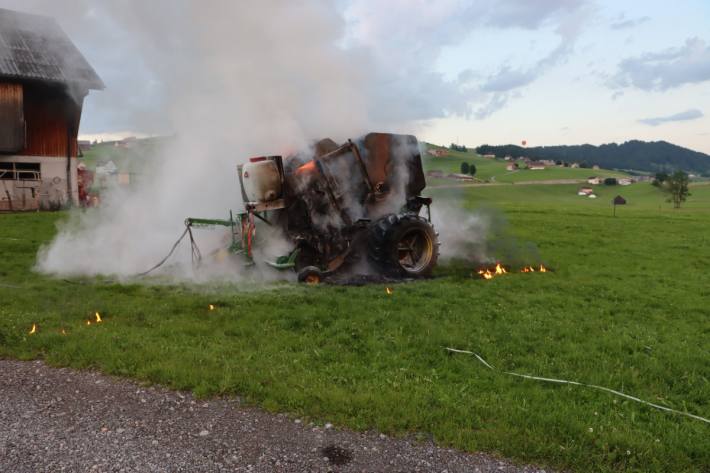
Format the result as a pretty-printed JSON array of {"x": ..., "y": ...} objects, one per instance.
[
  {"x": 508, "y": 158},
  {"x": 547, "y": 162},
  {"x": 489, "y": 156},
  {"x": 511, "y": 167},
  {"x": 438, "y": 153},
  {"x": 84, "y": 145},
  {"x": 596, "y": 166},
  {"x": 585, "y": 191},
  {"x": 574, "y": 165},
  {"x": 127, "y": 142},
  {"x": 536, "y": 165},
  {"x": 625, "y": 181},
  {"x": 435, "y": 173},
  {"x": 594, "y": 180}
]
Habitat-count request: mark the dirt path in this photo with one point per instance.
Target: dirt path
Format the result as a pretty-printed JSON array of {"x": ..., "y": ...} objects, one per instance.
[{"x": 55, "y": 420}]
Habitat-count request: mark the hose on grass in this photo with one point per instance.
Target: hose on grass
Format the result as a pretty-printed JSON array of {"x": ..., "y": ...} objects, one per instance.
[
  {"x": 196, "y": 255},
  {"x": 576, "y": 383}
]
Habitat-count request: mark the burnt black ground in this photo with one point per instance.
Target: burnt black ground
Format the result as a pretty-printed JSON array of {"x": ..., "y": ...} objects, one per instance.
[{"x": 62, "y": 420}]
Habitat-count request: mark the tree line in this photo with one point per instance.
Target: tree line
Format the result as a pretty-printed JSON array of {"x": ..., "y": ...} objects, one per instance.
[{"x": 657, "y": 156}]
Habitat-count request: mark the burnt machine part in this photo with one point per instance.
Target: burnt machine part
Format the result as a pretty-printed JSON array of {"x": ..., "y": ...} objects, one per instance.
[
  {"x": 360, "y": 198},
  {"x": 262, "y": 182}
]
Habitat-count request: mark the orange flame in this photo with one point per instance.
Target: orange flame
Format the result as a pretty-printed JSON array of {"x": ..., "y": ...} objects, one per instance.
[
  {"x": 211, "y": 307},
  {"x": 500, "y": 269},
  {"x": 309, "y": 167},
  {"x": 528, "y": 269},
  {"x": 389, "y": 291},
  {"x": 543, "y": 269},
  {"x": 63, "y": 332},
  {"x": 33, "y": 330},
  {"x": 486, "y": 274},
  {"x": 98, "y": 318},
  {"x": 88, "y": 322}
]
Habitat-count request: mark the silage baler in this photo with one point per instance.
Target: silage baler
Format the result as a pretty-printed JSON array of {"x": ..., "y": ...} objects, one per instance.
[{"x": 352, "y": 207}]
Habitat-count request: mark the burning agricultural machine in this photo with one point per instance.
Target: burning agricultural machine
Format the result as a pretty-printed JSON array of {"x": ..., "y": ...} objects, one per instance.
[{"x": 340, "y": 206}]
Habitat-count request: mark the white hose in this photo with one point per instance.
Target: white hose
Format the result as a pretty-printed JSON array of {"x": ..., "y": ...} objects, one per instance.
[{"x": 576, "y": 383}]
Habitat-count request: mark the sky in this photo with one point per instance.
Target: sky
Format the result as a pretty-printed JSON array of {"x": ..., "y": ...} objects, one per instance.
[{"x": 472, "y": 72}]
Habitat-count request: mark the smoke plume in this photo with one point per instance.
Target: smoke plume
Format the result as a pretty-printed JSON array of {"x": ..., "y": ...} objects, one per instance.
[{"x": 229, "y": 80}]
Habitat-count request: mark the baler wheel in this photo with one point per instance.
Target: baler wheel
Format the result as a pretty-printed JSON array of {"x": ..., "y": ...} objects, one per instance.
[
  {"x": 310, "y": 275},
  {"x": 404, "y": 245}
]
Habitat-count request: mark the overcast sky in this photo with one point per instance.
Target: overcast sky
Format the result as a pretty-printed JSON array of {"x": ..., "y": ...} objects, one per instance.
[{"x": 480, "y": 71}]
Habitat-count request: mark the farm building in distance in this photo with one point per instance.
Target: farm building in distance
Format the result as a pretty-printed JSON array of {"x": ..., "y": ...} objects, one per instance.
[{"x": 43, "y": 82}]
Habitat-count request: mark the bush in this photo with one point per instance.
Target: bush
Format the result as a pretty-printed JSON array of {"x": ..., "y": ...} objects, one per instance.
[
  {"x": 464, "y": 168},
  {"x": 610, "y": 181},
  {"x": 472, "y": 169}
]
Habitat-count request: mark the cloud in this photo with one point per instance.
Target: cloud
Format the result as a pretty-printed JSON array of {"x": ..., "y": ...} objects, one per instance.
[
  {"x": 408, "y": 36},
  {"x": 394, "y": 48},
  {"x": 668, "y": 69},
  {"x": 506, "y": 79},
  {"x": 692, "y": 114},
  {"x": 622, "y": 23}
]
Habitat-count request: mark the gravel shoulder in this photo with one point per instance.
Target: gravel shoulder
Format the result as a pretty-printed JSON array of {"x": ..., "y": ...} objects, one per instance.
[{"x": 59, "y": 419}]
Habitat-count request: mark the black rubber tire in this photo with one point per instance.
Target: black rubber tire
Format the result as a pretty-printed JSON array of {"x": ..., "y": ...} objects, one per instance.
[
  {"x": 404, "y": 245},
  {"x": 310, "y": 275}
]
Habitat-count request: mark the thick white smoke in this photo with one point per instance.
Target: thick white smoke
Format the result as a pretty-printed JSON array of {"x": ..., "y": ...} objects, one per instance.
[
  {"x": 238, "y": 81},
  {"x": 234, "y": 80}
]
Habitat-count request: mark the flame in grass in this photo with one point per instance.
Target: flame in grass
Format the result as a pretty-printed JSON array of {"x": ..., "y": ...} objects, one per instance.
[
  {"x": 98, "y": 318},
  {"x": 88, "y": 322},
  {"x": 490, "y": 273},
  {"x": 486, "y": 274},
  {"x": 211, "y": 307},
  {"x": 63, "y": 332},
  {"x": 33, "y": 330},
  {"x": 389, "y": 291},
  {"x": 499, "y": 270}
]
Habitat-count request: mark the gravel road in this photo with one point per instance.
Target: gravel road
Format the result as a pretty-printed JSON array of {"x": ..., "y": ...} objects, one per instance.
[{"x": 62, "y": 420}]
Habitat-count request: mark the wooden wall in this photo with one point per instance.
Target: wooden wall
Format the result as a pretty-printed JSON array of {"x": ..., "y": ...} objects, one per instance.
[
  {"x": 52, "y": 118},
  {"x": 12, "y": 123}
]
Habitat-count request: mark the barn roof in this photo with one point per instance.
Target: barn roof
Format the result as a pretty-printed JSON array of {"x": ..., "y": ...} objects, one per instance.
[{"x": 35, "y": 47}]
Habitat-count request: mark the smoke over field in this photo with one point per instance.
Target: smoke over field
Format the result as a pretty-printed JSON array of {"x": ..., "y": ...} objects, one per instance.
[{"x": 229, "y": 80}]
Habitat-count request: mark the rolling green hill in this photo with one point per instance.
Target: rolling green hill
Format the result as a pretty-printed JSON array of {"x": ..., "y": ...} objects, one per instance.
[
  {"x": 638, "y": 155},
  {"x": 494, "y": 170}
]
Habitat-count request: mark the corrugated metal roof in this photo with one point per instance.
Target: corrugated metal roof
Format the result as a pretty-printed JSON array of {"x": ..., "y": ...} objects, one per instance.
[{"x": 35, "y": 47}]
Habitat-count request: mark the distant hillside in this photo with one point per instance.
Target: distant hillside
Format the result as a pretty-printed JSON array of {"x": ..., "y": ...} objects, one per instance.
[{"x": 639, "y": 155}]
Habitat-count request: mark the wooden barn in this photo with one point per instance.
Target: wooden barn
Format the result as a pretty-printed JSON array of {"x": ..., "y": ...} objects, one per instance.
[{"x": 43, "y": 82}]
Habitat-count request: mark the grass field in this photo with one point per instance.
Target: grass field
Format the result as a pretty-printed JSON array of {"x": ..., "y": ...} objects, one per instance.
[
  {"x": 494, "y": 169},
  {"x": 626, "y": 308}
]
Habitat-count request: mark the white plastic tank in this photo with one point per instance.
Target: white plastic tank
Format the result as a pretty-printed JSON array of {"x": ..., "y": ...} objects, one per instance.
[{"x": 261, "y": 180}]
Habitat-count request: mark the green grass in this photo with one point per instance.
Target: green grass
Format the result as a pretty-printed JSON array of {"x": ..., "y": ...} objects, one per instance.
[
  {"x": 487, "y": 169},
  {"x": 626, "y": 308},
  {"x": 131, "y": 159}
]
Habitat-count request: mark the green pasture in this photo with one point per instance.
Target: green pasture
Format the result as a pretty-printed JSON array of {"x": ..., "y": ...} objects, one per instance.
[
  {"x": 495, "y": 169},
  {"x": 626, "y": 307}
]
